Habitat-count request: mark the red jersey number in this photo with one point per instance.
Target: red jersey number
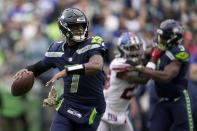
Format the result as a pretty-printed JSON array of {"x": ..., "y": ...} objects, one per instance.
[{"x": 127, "y": 94}]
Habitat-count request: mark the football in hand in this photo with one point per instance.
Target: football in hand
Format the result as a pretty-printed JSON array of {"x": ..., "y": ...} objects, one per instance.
[{"x": 23, "y": 84}]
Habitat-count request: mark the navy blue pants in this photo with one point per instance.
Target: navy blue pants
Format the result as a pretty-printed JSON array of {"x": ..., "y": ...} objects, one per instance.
[
  {"x": 176, "y": 114},
  {"x": 73, "y": 116},
  {"x": 61, "y": 123},
  {"x": 192, "y": 90}
]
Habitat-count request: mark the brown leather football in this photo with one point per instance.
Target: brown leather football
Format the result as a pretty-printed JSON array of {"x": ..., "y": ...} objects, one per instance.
[{"x": 22, "y": 85}]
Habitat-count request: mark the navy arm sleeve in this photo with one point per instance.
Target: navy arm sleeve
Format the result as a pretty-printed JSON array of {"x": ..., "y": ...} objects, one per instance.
[{"x": 37, "y": 68}]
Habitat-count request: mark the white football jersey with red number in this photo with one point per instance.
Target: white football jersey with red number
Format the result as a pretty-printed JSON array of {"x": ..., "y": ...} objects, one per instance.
[{"x": 118, "y": 92}]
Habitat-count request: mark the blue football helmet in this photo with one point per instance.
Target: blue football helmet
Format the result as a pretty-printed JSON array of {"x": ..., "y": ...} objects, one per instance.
[
  {"x": 73, "y": 16},
  {"x": 131, "y": 47},
  {"x": 169, "y": 33}
]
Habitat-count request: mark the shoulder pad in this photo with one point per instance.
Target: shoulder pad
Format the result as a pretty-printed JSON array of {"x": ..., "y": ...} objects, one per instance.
[
  {"x": 94, "y": 43},
  {"x": 180, "y": 53},
  {"x": 97, "y": 39},
  {"x": 55, "y": 45}
]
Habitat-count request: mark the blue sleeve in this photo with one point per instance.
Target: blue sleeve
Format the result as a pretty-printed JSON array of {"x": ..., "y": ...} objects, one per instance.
[{"x": 47, "y": 60}]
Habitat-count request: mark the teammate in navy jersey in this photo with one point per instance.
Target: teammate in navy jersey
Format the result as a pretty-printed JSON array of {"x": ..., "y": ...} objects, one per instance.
[
  {"x": 80, "y": 58},
  {"x": 174, "y": 106}
]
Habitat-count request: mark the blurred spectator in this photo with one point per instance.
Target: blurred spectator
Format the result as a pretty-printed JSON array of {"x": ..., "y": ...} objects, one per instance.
[
  {"x": 183, "y": 12},
  {"x": 121, "y": 28},
  {"x": 35, "y": 48},
  {"x": 133, "y": 21},
  {"x": 193, "y": 72},
  {"x": 53, "y": 32},
  {"x": 155, "y": 12},
  {"x": 6, "y": 42},
  {"x": 111, "y": 21},
  {"x": 59, "y": 7},
  {"x": 12, "y": 110},
  {"x": 89, "y": 7},
  {"x": 193, "y": 23},
  {"x": 189, "y": 41},
  {"x": 98, "y": 29},
  {"x": 190, "y": 44}
]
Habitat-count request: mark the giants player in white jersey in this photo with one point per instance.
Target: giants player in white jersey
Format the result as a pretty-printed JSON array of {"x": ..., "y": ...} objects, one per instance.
[{"x": 120, "y": 87}]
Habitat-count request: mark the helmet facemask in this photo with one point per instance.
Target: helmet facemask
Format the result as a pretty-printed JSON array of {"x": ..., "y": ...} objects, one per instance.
[
  {"x": 132, "y": 53},
  {"x": 131, "y": 48},
  {"x": 78, "y": 37}
]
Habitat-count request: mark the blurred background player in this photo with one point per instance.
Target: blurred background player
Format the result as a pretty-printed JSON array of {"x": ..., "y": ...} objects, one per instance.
[
  {"x": 119, "y": 91},
  {"x": 81, "y": 59},
  {"x": 174, "y": 106}
]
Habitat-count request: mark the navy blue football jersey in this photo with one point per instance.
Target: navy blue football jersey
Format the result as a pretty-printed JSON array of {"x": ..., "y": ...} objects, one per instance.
[
  {"x": 78, "y": 88},
  {"x": 175, "y": 86}
]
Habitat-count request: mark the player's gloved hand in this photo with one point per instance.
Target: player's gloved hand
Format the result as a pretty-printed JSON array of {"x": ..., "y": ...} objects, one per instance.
[
  {"x": 133, "y": 62},
  {"x": 155, "y": 56},
  {"x": 137, "y": 68},
  {"x": 157, "y": 52},
  {"x": 18, "y": 75},
  {"x": 52, "y": 100}
]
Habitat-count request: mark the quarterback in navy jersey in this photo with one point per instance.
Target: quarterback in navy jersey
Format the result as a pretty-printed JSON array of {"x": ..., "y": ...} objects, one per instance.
[
  {"x": 80, "y": 60},
  {"x": 168, "y": 67}
]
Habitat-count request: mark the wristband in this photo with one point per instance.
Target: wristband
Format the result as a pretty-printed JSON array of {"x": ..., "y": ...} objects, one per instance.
[
  {"x": 76, "y": 69},
  {"x": 151, "y": 65}
]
